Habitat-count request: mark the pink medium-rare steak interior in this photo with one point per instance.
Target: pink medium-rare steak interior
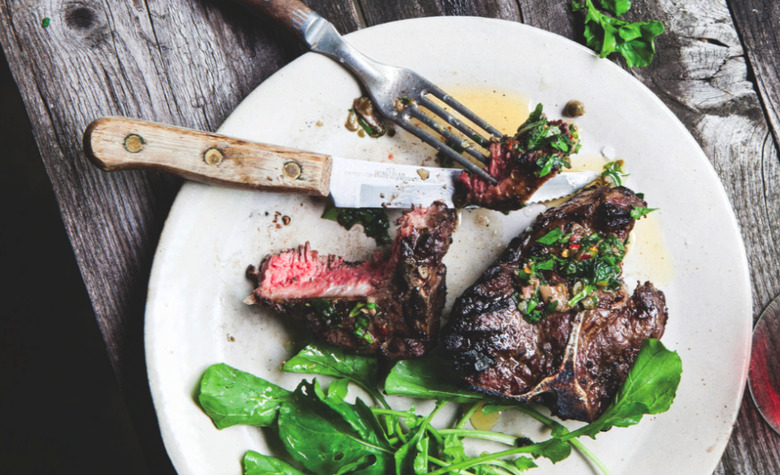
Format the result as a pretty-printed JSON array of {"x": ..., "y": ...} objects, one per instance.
[
  {"x": 301, "y": 273},
  {"x": 386, "y": 306}
]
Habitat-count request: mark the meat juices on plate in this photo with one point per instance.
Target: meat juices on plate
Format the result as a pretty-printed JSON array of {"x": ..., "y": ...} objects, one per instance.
[
  {"x": 386, "y": 306},
  {"x": 552, "y": 321}
]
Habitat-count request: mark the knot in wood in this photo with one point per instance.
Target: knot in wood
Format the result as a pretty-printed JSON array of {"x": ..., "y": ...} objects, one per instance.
[
  {"x": 292, "y": 170},
  {"x": 213, "y": 156},
  {"x": 80, "y": 17}
]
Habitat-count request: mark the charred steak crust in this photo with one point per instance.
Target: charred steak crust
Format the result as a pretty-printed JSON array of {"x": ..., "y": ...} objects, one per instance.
[
  {"x": 574, "y": 359},
  {"x": 387, "y": 306}
]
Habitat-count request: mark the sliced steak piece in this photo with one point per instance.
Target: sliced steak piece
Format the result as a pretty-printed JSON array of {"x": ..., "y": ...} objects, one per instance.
[
  {"x": 387, "y": 306},
  {"x": 551, "y": 320},
  {"x": 521, "y": 164}
]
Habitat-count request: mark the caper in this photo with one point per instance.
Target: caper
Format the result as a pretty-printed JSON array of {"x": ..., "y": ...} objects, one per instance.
[{"x": 574, "y": 109}]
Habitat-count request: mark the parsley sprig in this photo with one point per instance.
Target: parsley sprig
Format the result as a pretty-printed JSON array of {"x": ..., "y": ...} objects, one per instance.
[{"x": 606, "y": 34}]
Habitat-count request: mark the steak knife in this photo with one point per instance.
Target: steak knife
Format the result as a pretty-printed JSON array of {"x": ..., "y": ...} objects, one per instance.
[{"x": 118, "y": 143}]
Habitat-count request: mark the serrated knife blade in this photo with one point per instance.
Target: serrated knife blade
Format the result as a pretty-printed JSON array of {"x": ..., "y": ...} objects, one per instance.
[{"x": 365, "y": 184}]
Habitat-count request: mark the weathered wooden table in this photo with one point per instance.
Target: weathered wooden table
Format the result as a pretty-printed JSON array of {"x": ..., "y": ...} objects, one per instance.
[{"x": 190, "y": 62}]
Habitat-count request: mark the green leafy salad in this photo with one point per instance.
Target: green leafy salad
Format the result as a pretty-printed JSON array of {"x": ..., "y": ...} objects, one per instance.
[{"x": 323, "y": 431}]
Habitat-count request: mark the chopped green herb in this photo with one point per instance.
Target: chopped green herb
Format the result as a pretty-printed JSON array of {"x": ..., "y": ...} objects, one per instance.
[
  {"x": 326, "y": 311},
  {"x": 45, "y": 22},
  {"x": 374, "y": 221},
  {"x": 555, "y": 236},
  {"x": 614, "y": 172},
  {"x": 591, "y": 263},
  {"x": 606, "y": 34},
  {"x": 548, "y": 162},
  {"x": 639, "y": 211},
  {"x": 553, "y": 146},
  {"x": 362, "y": 322}
]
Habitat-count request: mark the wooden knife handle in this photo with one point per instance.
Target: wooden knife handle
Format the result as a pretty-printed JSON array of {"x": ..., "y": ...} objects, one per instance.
[
  {"x": 290, "y": 13},
  {"x": 118, "y": 143}
]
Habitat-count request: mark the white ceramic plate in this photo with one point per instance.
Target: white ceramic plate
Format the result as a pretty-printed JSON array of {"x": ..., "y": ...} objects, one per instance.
[{"x": 195, "y": 315}]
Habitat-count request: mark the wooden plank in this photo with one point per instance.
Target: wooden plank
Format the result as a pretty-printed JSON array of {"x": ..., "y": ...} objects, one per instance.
[
  {"x": 189, "y": 63},
  {"x": 701, "y": 74},
  {"x": 758, "y": 24},
  {"x": 179, "y": 62},
  {"x": 383, "y": 11}
]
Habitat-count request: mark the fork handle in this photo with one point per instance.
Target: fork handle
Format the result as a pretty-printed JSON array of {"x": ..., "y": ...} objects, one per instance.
[
  {"x": 290, "y": 13},
  {"x": 118, "y": 143}
]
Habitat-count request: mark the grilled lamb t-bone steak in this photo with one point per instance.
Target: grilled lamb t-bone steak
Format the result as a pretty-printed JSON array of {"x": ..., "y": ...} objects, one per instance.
[
  {"x": 551, "y": 320},
  {"x": 521, "y": 163},
  {"x": 389, "y": 307}
]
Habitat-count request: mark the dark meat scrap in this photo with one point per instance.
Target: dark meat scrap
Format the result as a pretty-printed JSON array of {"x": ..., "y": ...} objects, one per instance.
[
  {"x": 521, "y": 164},
  {"x": 551, "y": 320},
  {"x": 388, "y": 306}
]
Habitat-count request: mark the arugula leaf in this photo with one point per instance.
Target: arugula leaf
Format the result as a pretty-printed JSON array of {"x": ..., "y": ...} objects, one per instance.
[
  {"x": 453, "y": 448},
  {"x": 324, "y": 439},
  {"x": 259, "y": 464},
  {"x": 374, "y": 221},
  {"x": 412, "y": 457},
  {"x": 553, "y": 449},
  {"x": 230, "y": 396},
  {"x": 650, "y": 388},
  {"x": 332, "y": 361},
  {"x": 358, "y": 416},
  {"x": 606, "y": 34},
  {"x": 430, "y": 377},
  {"x": 639, "y": 211}
]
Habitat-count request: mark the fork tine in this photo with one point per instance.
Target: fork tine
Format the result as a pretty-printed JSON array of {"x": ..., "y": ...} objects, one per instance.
[
  {"x": 454, "y": 121},
  {"x": 449, "y": 136},
  {"x": 444, "y": 148},
  {"x": 463, "y": 110}
]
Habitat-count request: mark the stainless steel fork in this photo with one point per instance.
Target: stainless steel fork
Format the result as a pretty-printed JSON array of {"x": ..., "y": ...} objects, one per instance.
[{"x": 399, "y": 94}]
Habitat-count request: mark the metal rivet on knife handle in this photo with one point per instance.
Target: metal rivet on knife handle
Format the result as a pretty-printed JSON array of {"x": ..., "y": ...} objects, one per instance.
[
  {"x": 292, "y": 170},
  {"x": 213, "y": 156},
  {"x": 134, "y": 143}
]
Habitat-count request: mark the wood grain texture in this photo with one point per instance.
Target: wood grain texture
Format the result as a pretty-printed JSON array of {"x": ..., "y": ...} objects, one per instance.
[
  {"x": 190, "y": 62},
  {"x": 180, "y": 62},
  {"x": 383, "y": 11},
  {"x": 118, "y": 143},
  {"x": 758, "y": 23}
]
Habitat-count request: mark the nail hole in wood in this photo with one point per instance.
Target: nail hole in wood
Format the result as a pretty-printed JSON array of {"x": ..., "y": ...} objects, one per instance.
[
  {"x": 134, "y": 143},
  {"x": 292, "y": 170},
  {"x": 213, "y": 156}
]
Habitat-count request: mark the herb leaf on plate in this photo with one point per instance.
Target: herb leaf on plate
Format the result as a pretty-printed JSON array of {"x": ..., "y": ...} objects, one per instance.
[
  {"x": 639, "y": 211},
  {"x": 230, "y": 396},
  {"x": 650, "y": 388},
  {"x": 374, "y": 221},
  {"x": 430, "y": 377},
  {"x": 332, "y": 361}
]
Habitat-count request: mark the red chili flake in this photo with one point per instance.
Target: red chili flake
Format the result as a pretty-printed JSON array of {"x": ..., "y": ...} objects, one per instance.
[{"x": 574, "y": 246}]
